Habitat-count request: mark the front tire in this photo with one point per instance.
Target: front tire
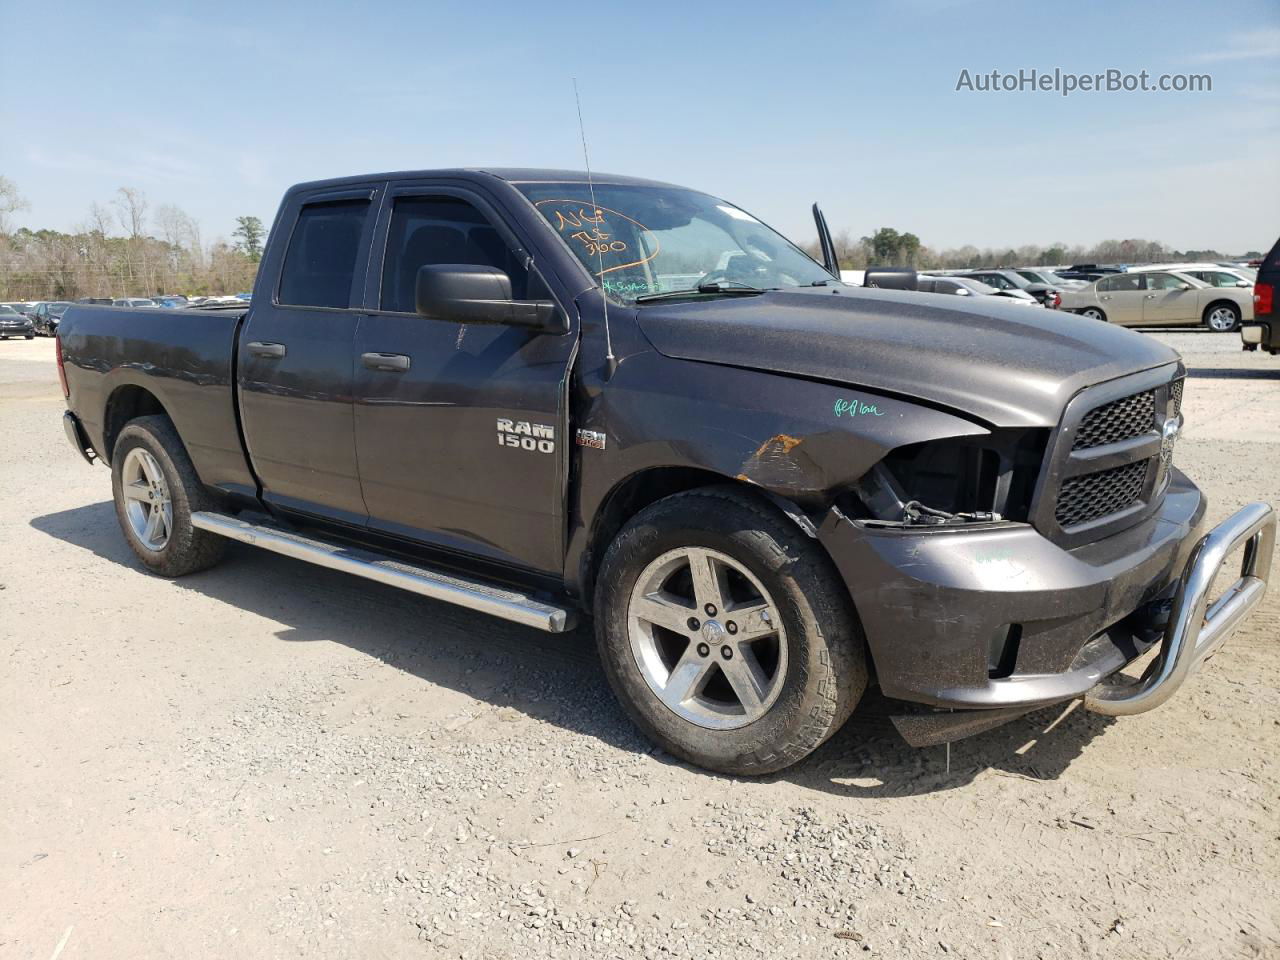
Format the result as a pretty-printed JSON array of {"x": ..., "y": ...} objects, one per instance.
[
  {"x": 156, "y": 490},
  {"x": 1222, "y": 317},
  {"x": 1094, "y": 313},
  {"x": 726, "y": 633}
]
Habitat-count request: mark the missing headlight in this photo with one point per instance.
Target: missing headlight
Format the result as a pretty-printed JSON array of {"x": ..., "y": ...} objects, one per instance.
[{"x": 957, "y": 480}]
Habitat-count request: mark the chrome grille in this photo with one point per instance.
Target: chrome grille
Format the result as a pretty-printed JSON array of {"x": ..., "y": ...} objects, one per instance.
[
  {"x": 1175, "y": 397},
  {"x": 1095, "y": 495},
  {"x": 1118, "y": 420}
]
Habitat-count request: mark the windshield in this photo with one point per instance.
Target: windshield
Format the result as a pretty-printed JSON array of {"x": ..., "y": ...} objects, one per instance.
[
  {"x": 6, "y": 310},
  {"x": 58, "y": 309},
  {"x": 640, "y": 240},
  {"x": 977, "y": 286}
]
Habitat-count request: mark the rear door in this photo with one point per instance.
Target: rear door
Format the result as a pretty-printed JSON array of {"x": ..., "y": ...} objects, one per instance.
[
  {"x": 1120, "y": 296},
  {"x": 1165, "y": 302},
  {"x": 295, "y": 357},
  {"x": 461, "y": 428}
]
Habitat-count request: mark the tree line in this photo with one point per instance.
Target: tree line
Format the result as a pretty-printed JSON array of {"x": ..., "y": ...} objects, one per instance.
[
  {"x": 888, "y": 247},
  {"x": 124, "y": 248}
]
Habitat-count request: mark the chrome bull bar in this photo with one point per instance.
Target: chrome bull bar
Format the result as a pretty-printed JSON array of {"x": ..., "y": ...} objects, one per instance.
[{"x": 1197, "y": 628}]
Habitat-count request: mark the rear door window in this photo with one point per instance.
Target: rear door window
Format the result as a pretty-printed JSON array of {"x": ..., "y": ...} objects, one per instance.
[{"x": 320, "y": 263}]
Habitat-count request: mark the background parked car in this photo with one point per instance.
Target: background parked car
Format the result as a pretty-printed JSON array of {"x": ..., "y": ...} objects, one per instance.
[
  {"x": 134, "y": 302},
  {"x": 170, "y": 301},
  {"x": 47, "y": 316},
  {"x": 21, "y": 306},
  {"x": 1002, "y": 279},
  {"x": 96, "y": 301},
  {"x": 968, "y": 287},
  {"x": 14, "y": 324},
  {"x": 1049, "y": 278},
  {"x": 1213, "y": 274},
  {"x": 1161, "y": 298}
]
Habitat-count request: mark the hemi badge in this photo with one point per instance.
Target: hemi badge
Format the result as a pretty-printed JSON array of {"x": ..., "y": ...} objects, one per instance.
[{"x": 591, "y": 438}]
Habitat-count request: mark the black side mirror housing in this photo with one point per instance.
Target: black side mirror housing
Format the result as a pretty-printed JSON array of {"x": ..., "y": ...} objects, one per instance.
[
  {"x": 469, "y": 293},
  {"x": 891, "y": 278}
]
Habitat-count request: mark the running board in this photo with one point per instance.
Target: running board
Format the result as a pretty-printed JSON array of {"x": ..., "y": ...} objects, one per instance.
[{"x": 495, "y": 601}]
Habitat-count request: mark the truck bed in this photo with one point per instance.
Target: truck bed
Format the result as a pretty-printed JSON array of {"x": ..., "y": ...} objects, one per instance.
[{"x": 117, "y": 358}]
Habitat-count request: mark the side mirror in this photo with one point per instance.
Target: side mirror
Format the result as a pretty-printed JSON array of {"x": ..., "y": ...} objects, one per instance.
[
  {"x": 1243, "y": 283},
  {"x": 468, "y": 293},
  {"x": 891, "y": 278},
  {"x": 1184, "y": 286}
]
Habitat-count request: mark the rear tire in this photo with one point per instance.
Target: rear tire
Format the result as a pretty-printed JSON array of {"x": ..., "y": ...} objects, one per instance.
[
  {"x": 156, "y": 490},
  {"x": 745, "y": 668},
  {"x": 1222, "y": 317}
]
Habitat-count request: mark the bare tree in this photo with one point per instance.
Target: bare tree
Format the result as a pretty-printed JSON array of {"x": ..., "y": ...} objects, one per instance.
[
  {"x": 131, "y": 209},
  {"x": 10, "y": 202}
]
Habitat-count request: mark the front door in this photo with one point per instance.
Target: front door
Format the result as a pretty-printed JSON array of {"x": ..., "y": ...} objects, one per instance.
[
  {"x": 1166, "y": 302},
  {"x": 295, "y": 369},
  {"x": 460, "y": 428},
  {"x": 1120, "y": 296}
]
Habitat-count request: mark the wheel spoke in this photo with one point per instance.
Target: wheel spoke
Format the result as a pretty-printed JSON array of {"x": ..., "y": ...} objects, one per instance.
[
  {"x": 686, "y": 679},
  {"x": 663, "y": 612},
  {"x": 707, "y": 585},
  {"x": 155, "y": 520},
  {"x": 753, "y": 620},
  {"x": 137, "y": 490},
  {"x": 747, "y": 678}
]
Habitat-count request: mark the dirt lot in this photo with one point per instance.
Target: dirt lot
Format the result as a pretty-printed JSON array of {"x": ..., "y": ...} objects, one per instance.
[{"x": 271, "y": 760}]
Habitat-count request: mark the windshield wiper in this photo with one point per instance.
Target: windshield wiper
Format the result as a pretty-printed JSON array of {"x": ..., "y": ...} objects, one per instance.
[{"x": 718, "y": 288}]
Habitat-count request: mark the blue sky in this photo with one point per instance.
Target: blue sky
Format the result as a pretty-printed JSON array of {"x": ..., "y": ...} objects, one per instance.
[{"x": 218, "y": 107}]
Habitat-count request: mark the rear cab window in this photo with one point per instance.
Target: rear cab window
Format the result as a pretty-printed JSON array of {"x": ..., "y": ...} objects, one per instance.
[{"x": 324, "y": 248}]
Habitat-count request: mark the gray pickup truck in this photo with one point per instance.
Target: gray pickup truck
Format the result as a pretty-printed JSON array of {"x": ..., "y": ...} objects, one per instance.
[{"x": 537, "y": 394}]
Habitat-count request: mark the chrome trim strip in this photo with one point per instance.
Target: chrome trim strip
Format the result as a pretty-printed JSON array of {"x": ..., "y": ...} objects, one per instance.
[
  {"x": 1197, "y": 629},
  {"x": 495, "y": 601}
]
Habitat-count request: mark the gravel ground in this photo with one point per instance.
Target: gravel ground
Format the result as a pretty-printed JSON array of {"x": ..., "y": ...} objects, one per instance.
[{"x": 273, "y": 760}]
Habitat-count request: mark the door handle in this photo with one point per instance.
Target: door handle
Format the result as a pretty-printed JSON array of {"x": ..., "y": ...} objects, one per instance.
[
  {"x": 1149, "y": 296},
  {"x": 1104, "y": 298},
  {"x": 388, "y": 362},
  {"x": 260, "y": 349}
]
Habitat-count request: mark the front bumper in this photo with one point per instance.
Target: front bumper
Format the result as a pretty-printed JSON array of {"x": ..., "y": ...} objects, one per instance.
[
  {"x": 17, "y": 330},
  {"x": 999, "y": 621}
]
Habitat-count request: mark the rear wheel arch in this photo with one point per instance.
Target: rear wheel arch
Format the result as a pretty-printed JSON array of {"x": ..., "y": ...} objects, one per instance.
[
  {"x": 127, "y": 402},
  {"x": 1218, "y": 304}
]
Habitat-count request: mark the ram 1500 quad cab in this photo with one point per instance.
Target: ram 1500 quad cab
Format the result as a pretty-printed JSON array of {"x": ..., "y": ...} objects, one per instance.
[{"x": 534, "y": 394}]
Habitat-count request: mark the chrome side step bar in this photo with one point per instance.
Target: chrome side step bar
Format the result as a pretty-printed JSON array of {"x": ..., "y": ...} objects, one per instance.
[{"x": 495, "y": 601}]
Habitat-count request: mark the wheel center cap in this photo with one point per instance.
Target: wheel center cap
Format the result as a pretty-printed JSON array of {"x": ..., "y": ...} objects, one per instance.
[{"x": 712, "y": 632}]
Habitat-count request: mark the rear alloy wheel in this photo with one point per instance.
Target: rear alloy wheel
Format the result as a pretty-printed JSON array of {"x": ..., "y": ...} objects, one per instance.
[
  {"x": 1222, "y": 317},
  {"x": 726, "y": 632},
  {"x": 156, "y": 491},
  {"x": 1094, "y": 313}
]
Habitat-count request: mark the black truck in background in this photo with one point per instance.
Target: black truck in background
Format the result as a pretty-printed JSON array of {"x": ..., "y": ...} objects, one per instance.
[
  {"x": 1264, "y": 330},
  {"x": 536, "y": 395}
]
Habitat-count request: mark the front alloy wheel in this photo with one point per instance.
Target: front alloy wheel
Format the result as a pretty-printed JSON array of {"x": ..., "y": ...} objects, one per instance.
[
  {"x": 726, "y": 632},
  {"x": 707, "y": 638}
]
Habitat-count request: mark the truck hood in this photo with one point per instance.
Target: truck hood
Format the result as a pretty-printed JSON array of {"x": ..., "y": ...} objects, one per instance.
[{"x": 1004, "y": 364}]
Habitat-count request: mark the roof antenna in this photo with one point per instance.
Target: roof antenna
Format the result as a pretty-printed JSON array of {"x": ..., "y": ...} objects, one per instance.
[{"x": 611, "y": 363}]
